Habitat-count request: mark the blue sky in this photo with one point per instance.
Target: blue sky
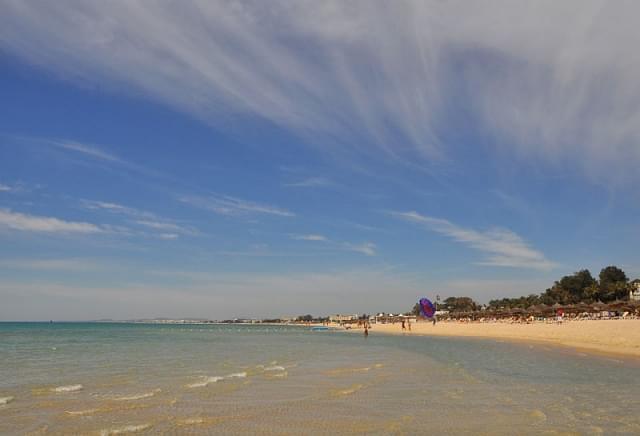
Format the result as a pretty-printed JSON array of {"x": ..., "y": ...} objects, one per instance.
[{"x": 224, "y": 159}]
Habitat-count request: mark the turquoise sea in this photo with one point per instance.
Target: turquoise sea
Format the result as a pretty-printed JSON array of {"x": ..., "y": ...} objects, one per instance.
[{"x": 93, "y": 378}]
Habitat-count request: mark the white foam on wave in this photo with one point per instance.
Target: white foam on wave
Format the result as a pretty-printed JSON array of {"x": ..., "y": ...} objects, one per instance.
[
  {"x": 275, "y": 368},
  {"x": 190, "y": 421},
  {"x": 5, "y": 400},
  {"x": 81, "y": 412},
  {"x": 138, "y": 396},
  {"x": 205, "y": 381},
  {"x": 125, "y": 429},
  {"x": 237, "y": 375},
  {"x": 68, "y": 388}
]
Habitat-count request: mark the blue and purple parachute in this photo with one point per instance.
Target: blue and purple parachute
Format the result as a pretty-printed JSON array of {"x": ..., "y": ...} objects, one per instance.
[{"x": 427, "y": 309}]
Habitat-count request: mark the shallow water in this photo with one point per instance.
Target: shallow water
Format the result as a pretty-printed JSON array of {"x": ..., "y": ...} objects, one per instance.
[{"x": 190, "y": 379}]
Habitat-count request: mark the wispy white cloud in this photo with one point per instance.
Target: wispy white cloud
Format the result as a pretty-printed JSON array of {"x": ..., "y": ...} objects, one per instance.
[
  {"x": 168, "y": 236},
  {"x": 18, "y": 188},
  {"x": 168, "y": 229},
  {"x": 504, "y": 248},
  {"x": 115, "y": 208},
  {"x": 366, "y": 248},
  {"x": 311, "y": 237},
  {"x": 311, "y": 182},
  {"x": 570, "y": 97},
  {"x": 87, "y": 150},
  {"x": 232, "y": 206},
  {"x": 33, "y": 223},
  {"x": 159, "y": 225},
  {"x": 84, "y": 153}
]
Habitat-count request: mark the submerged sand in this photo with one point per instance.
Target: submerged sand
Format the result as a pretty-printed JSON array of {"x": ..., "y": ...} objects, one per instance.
[{"x": 620, "y": 337}]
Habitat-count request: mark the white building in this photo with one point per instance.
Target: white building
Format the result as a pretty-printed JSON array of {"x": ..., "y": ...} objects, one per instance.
[
  {"x": 634, "y": 294},
  {"x": 342, "y": 318}
]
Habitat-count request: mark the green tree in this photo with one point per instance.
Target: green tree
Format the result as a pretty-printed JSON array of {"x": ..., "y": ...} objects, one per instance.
[
  {"x": 591, "y": 293},
  {"x": 460, "y": 304},
  {"x": 570, "y": 289},
  {"x": 613, "y": 284},
  {"x": 576, "y": 284}
]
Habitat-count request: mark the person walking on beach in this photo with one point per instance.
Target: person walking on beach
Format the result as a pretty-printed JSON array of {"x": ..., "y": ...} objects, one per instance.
[
  {"x": 403, "y": 326},
  {"x": 409, "y": 324}
]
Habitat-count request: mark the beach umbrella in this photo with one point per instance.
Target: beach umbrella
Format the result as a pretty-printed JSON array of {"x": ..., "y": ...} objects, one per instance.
[{"x": 539, "y": 309}]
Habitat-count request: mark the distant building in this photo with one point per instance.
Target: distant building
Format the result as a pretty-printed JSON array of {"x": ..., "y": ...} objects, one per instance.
[
  {"x": 634, "y": 294},
  {"x": 343, "y": 318},
  {"x": 287, "y": 319}
]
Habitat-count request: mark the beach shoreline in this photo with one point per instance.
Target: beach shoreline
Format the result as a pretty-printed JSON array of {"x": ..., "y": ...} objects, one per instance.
[{"x": 603, "y": 337}]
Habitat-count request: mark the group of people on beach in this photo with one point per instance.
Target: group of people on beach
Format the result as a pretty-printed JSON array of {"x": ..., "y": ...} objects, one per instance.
[{"x": 406, "y": 325}]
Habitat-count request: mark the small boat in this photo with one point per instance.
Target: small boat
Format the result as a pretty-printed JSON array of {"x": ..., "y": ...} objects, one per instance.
[{"x": 319, "y": 328}]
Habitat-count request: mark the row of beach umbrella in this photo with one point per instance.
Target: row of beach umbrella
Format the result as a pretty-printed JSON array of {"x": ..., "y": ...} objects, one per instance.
[{"x": 544, "y": 309}]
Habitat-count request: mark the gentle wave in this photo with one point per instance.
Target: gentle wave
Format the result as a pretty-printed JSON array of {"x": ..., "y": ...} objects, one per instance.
[
  {"x": 190, "y": 421},
  {"x": 125, "y": 429},
  {"x": 275, "y": 368},
  {"x": 5, "y": 400},
  {"x": 237, "y": 375},
  {"x": 81, "y": 412},
  {"x": 342, "y": 371},
  {"x": 138, "y": 396},
  {"x": 350, "y": 390},
  {"x": 205, "y": 381},
  {"x": 68, "y": 388},
  {"x": 538, "y": 415}
]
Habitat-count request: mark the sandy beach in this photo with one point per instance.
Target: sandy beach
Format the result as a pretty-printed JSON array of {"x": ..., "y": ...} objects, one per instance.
[{"x": 621, "y": 337}]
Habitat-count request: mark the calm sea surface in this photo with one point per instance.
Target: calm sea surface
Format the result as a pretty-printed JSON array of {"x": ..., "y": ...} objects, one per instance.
[{"x": 84, "y": 378}]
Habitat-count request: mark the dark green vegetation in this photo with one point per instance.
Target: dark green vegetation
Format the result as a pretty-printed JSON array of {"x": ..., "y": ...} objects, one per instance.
[
  {"x": 580, "y": 287},
  {"x": 611, "y": 285}
]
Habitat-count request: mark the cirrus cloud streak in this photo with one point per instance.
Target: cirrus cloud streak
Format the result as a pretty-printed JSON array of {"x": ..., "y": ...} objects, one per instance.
[
  {"x": 34, "y": 223},
  {"x": 569, "y": 97},
  {"x": 503, "y": 247},
  {"x": 232, "y": 206}
]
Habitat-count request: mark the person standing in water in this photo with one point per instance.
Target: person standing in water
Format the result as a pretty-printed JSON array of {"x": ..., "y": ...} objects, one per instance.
[{"x": 366, "y": 330}]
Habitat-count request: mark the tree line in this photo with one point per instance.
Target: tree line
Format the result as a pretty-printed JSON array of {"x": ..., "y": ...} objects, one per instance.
[{"x": 580, "y": 287}]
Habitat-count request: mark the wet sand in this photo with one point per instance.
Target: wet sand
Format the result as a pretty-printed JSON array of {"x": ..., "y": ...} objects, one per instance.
[{"x": 620, "y": 337}]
